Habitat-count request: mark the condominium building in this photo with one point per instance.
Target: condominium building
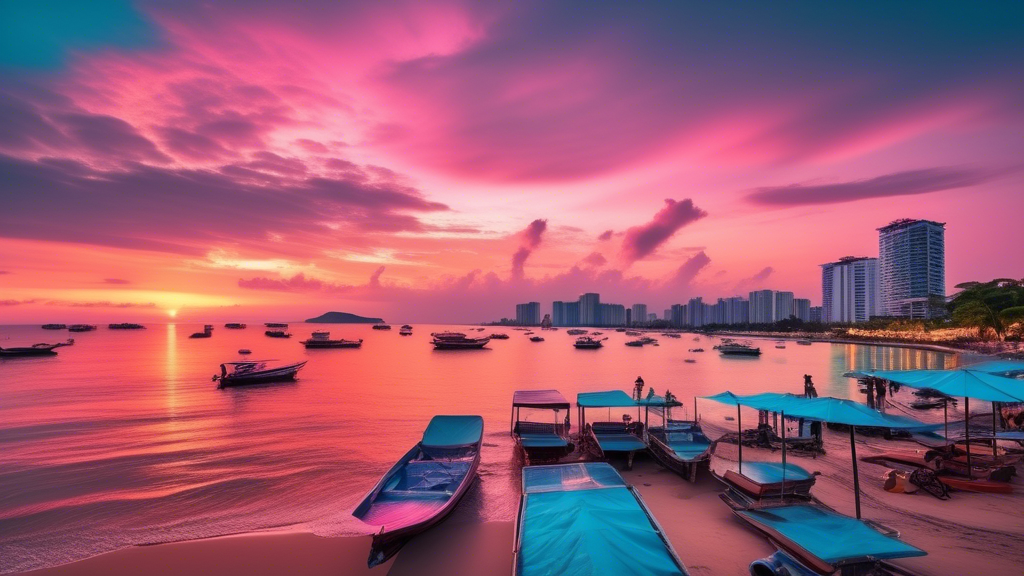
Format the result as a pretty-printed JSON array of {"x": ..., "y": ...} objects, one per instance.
[
  {"x": 762, "y": 307},
  {"x": 850, "y": 290},
  {"x": 695, "y": 312},
  {"x": 802, "y": 309},
  {"x": 612, "y": 315},
  {"x": 590, "y": 309},
  {"x": 737, "y": 310},
  {"x": 816, "y": 314},
  {"x": 677, "y": 315},
  {"x": 912, "y": 268},
  {"x": 572, "y": 313},
  {"x": 639, "y": 313},
  {"x": 528, "y": 314},
  {"x": 783, "y": 306}
]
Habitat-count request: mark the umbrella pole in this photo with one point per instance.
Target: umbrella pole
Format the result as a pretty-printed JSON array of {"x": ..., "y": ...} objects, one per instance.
[
  {"x": 994, "y": 430},
  {"x": 783, "y": 495},
  {"x": 945, "y": 418},
  {"x": 967, "y": 434},
  {"x": 739, "y": 438},
  {"x": 856, "y": 478}
]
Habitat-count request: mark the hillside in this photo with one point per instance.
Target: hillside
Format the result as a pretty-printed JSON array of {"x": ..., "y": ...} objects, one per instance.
[{"x": 343, "y": 318}]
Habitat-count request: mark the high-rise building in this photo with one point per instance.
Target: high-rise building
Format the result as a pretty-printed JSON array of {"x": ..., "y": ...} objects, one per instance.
[
  {"x": 816, "y": 314},
  {"x": 528, "y": 314},
  {"x": 783, "y": 306},
  {"x": 611, "y": 315},
  {"x": 629, "y": 316},
  {"x": 802, "y": 309},
  {"x": 762, "y": 307},
  {"x": 715, "y": 313},
  {"x": 850, "y": 290},
  {"x": 667, "y": 315},
  {"x": 737, "y": 310},
  {"x": 695, "y": 312},
  {"x": 590, "y": 309},
  {"x": 912, "y": 268},
  {"x": 639, "y": 313},
  {"x": 572, "y": 313},
  {"x": 677, "y": 315},
  {"x": 558, "y": 313},
  {"x": 652, "y": 317}
]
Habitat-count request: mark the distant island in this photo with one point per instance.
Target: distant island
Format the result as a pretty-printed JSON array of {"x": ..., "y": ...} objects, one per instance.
[{"x": 343, "y": 318}]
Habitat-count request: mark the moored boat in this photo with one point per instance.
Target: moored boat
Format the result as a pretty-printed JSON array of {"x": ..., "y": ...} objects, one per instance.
[
  {"x": 382, "y": 326},
  {"x": 41, "y": 349},
  {"x": 457, "y": 341},
  {"x": 81, "y": 328},
  {"x": 206, "y": 333},
  {"x": 54, "y": 326},
  {"x": 738, "y": 349},
  {"x": 587, "y": 343},
  {"x": 235, "y": 325},
  {"x": 424, "y": 486},
  {"x": 606, "y": 439},
  {"x": 244, "y": 351},
  {"x": 499, "y": 336},
  {"x": 635, "y": 343},
  {"x": 275, "y": 325},
  {"x": 321, "y": 339},
  {"x": 804, "y": 342},
  {"x": 277, "y": 334},
  {"x": 405, "y": 330},
  {"x": 125, "y": 326},
  {"x": 536, "y": 339},
  {"x": 576, "y": 332},
  {"x": 255, "y": 372},
  {"x": 541, "y": 440}
]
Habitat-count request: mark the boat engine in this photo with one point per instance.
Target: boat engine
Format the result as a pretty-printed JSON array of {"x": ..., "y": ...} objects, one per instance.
[{"x": 779, "y": 564}]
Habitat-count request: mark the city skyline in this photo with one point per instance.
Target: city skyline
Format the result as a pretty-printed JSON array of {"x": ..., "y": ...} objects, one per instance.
[{"x": 197, "y": 161}]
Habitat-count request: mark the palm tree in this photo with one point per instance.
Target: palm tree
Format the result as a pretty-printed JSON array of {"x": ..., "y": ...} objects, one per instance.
[{"x": 996, "y": 305}]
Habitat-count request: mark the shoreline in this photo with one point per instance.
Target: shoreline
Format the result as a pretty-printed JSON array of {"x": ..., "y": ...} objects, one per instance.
[{"x": 891, "y": 343}]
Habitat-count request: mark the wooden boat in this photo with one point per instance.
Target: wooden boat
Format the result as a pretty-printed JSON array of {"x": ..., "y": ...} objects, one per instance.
[
  {"x": 234, "y": 325},
  {"x": 81, "y": 328},
  {"x": 696, "y": 350},
  {"x": 382, "y": 326},
  {"x": 41, "y": 349},
  {"x": 255, "y": 372},
  {"x": 457, "y": 341},
  {"x": 690, "y": 361},
  {"x": 606, "y": 439},
  {"x": 244, "y": 351},
  {"x": 424, "y": 486},
  {"x": 322, "y": 339},
  {"x": 953, "y": 474},
  {"x": 277, "y": 334},
  {"x": 582, "y": 518},
  {"x": 738, "y": 349},
  {"x": 587, "y": 343},
  {"x": 680, "y": 446},
  {"x": 761, "y": 481},
  {"x": 54, "y": 326},
  {"x": 125, "y": 326},
  {"x": 540, "y": 441},
  {"x": 206, "y": 333}
]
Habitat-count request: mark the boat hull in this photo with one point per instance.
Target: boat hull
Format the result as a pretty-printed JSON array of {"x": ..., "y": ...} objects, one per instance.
[
  {"x": 282, "y": 374},
  {"x": 459, "y": 345},
  {"x": 687, "y": 468},
  {"x": 21, "y": 352},
  {"x": 332, "y": 344}
]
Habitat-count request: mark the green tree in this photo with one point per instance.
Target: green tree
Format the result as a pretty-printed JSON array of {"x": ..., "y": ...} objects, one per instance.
[{"x": 995, "y": 305}]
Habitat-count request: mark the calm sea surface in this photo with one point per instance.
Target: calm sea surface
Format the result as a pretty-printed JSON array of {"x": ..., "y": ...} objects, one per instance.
[{"x": 123, "y": 439}]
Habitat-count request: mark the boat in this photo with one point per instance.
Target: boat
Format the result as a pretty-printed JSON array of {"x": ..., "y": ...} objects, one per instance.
[
  {"x": 499, "y": 336},
  {"x": 632, "y": 333},
  {"x": 234, "y": 325},
  {"x": 690, "y": 361},
  {"x": 206, "y": 333},
  {"x": 680, "y": 446},
  {"x": 275, "y": 325},
  {"x": 596, "y": 333},
  {"x": 424, "y": 486},
  {"x": 255, "y": 372},
  {"x": 278, "y": 334},
  {"x": 587, "y": 343},
  {"x": 780, "y": 345},
  {"x": 671, "y": 335},
  {"x": 41, "y": 349},
  {"x": 635, "y": 343},
  {"x": 382, "y": 326},
  {"x": 457, "y": 341},
  {"x": 321, "y": 339},
  {"x": 814, "y": 539},
  {"x": 541, "y": 440},
  {"x": 536, "y": 339},
  {"x": 125, "y": 326},
  {"x": 527, "y": 333},
  {"x": 738, "y": 349},
  {"x": 606, "y": 439},
  {"x": 649, "y": 340},
  {"x": 582, "y": 518},
  {"x": 696, "y": 349},
  {"x": 405, "y": 331},
  {"x": 758, "y": 482},
  {"x": 576, "y": 332},
  {"x": 620, "y": 329},
  {"x": 244, "y": 351},
  {"x": 54, "y": 326},
  {"x": 81, "y": 328},
  {"x": 409, "y": 327},
  {"x": 804, "y": 342}
]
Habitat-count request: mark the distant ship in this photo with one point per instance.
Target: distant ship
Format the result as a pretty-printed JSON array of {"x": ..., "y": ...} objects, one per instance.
[
  {"x": 499, "y": 336},
  {"x": 234, "y": 325},
  {"x": 575, "y": 332},
  {"x": 54, "y": 326},
  {"x": 382, "y": 326},
  {"x": 536, "y": 339},
  {"x": 275, "y": 325},
  {"x": 405, "y": 330},
  {"x": 81, "y": 328},
  {"x": 206, "y": 333},
  {"x": 457, "y": 341},
  {"x": 277, "y": 334},
  {"x": 738, "y": 349},
  {"x": 587, "y": 343},
  {"x": 323, "y": 340}
]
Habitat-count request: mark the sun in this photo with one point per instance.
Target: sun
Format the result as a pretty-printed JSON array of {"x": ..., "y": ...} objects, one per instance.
[{"x": 172, "y": 313}]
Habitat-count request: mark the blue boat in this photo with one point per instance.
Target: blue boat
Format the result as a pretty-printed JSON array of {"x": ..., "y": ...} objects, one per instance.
[
  {"x": 583, "y": 519},
  {"x": 680, "y": 446},
  {"x": 541, "y": 440},
  {"x": 606, "y": 439},
  {"x": 424, "y": 486}
]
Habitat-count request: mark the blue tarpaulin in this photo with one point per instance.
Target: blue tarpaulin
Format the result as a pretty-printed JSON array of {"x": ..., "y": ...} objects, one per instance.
[
  {"x": 960, "y": 382},
  {"x": 823, "y": 409},
  {"x": 582, "y": 520},
  {"x": 447, "y": 431},
  {"x": 540, "y": 440},
  {"x": 829, "y": 536},
  {"x": 606, "y": 399},
  {"x": 772, "y": 472}
]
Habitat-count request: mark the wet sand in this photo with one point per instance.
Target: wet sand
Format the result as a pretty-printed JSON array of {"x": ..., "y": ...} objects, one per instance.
[{"x": 965, "y": 535}]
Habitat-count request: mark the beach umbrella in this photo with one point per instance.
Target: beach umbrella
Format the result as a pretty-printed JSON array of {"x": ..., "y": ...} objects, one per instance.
[
  {"x": 823, "y": 409},
  {"x": 962, "y": 382}
]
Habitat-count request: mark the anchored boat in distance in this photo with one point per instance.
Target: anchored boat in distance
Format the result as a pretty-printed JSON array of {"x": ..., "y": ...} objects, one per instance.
[
  {"x": 256, "y": 372},
  {"x": 738, "y": 349},
  {"x": 321, "y": 339},
  {"x": 41, "y": 349},
  {"x": 587, "y": 343},
  {"x": 457, "y": 341}
]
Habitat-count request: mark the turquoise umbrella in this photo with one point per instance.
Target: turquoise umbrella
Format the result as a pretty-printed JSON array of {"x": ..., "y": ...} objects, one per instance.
[{"x": 961, "y": 382}]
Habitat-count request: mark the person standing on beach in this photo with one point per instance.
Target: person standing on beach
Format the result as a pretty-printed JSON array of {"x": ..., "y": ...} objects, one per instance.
[
  {"x": 871, "y": 392},
  {"x": 809, "y": 391},
  {"x": 880, "y": 391}
]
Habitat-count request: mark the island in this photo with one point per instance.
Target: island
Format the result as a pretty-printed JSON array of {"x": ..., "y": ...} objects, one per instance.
[{"x": 343, "y": 318}]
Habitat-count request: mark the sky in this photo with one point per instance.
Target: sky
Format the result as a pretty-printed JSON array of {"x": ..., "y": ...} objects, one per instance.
[{"x": 442, "y": 161}]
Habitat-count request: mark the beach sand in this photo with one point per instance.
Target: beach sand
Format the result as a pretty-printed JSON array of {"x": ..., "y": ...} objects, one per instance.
[{"x": 966, "y": 535}]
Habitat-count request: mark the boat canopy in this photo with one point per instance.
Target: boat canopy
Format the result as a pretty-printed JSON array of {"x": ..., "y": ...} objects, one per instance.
[
  {"x": 999, "y": 367},
  {"x": 959, "y": 382},
  {"x": 449, "y": 431},
  {"x": 829, "y": 536},
  {"x": 552, "y": 399},
  {"x": 582, "y": 520},
  {"x": 606, "y": 399},
  {"x": 825, "y": 409}
]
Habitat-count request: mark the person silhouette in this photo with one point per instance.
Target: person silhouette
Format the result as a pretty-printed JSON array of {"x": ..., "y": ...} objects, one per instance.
[{"x": 809, "y": 390}]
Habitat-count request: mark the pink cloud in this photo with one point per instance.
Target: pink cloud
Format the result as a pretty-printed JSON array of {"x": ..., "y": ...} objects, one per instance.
[{"x": 641, "y": 241}]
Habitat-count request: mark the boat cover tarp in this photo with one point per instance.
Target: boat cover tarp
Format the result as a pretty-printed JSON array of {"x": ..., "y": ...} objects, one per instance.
[
  {"x": 552, "y": 399},
  {"x": 453, "y": 431},
  {"x": 959, "y": 383},
  {"x": 824, "y": 409},
  {"x": 771, "y": 472},
  {"x": 606, "y": 399},
  {"x": 582, "y": 520},
  {"x": 541, "y": 440},
  {"x": 683, "y": 441},
  {"x": 828, "y": 535},
  {"x": 999, "y": 367},
  {"x": 614, "y": 437}
]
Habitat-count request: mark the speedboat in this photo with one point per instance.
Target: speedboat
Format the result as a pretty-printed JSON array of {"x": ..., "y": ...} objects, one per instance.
[
  {"x": 457, "y": 341},
  {"x": 781, "y": 345},
  {"x": 321, "y": 339},
  {"x": 255, "y": 372},
  {"x": 587, "y": 343},
  {"x": 541, "y": 440},
  {"x": 424, "y": 486},
  {"x": 244, "y": 351},
  {"x": 41, "y": 349}
]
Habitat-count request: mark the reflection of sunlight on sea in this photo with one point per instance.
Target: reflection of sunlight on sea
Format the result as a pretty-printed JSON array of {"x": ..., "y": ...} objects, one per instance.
[{"x": 123, "y": 439}]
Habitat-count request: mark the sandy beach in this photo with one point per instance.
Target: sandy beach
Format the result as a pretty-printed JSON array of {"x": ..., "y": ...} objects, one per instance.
[{"x": 960, "y": 535}]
